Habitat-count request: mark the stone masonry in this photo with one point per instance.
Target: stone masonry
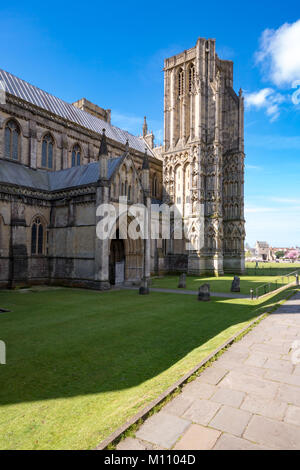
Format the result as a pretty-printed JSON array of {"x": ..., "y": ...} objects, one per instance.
[{"x": 249, "y": 399}]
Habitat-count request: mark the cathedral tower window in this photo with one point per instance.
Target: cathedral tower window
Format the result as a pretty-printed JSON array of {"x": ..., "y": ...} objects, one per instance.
[
  {"x": 76, "y": 155},
  {"x": 47, "y": 152},
  {"x": 12, "y": 140},
  {"x": 180, "y": 82},
  {"x": 191, "y": 77}
]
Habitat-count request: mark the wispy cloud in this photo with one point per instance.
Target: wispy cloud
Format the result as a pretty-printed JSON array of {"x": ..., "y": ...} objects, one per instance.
[
  {"x": 279, "y": 59},
  {"x": 285, "y": 200},
  {"x": 267, "y": 99},
  {"x": 255, "y": 210},
  {"x": 279, "y": 54}
]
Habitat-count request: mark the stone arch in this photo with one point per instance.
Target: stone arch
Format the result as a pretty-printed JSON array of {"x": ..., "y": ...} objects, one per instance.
[
  {"x": 133, "y": 251},
  {"x": 12, "y": 139}
]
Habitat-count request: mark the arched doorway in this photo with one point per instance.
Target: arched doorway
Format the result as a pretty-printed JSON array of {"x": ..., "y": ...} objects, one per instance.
[{"x": 117, "y": 261}]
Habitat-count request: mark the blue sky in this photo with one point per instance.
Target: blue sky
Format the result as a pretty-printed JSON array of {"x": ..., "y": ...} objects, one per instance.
[{"x": 112, "y": 53}]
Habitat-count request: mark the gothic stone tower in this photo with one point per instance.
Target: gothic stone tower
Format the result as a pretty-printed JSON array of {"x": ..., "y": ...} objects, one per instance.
[{"x": 203, "y": 158}]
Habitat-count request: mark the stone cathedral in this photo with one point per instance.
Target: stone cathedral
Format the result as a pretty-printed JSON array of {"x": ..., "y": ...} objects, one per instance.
[
  {"x": 203, "y": 157},
  {"x": 60, "y": 161}
]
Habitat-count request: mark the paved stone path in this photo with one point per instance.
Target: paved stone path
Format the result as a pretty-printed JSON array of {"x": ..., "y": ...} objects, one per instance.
[
  {"x": 248, "y": 399},
  {"x": 230, "y": 295}
]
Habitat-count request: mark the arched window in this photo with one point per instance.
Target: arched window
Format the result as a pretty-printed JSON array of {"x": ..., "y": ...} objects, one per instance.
[
  {"x": 180, "y": 82},
  {"x": 129, "y": 193},
  {"x": 154, "y": 186},
  {"x": 12, "y": 140},
  {"x": 37, "y": 237},
  {"x": 76, "y": 159},
  {"x": 191, "y": 77},
  {"x": 47, "y": 152}
]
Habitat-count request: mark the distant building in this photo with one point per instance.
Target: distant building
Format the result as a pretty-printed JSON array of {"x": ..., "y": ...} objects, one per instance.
[{"x": 262, "y": 250}]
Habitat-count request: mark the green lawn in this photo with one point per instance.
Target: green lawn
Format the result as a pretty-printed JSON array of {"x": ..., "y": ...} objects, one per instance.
[
  {"x": 80, "y": 363},
  {"x": 271, "y": 269},
  {"x": 220, "y": 284}
]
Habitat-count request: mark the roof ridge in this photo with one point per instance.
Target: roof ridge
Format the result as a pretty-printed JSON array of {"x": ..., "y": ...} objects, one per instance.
[{"x": 78, "y": 111}]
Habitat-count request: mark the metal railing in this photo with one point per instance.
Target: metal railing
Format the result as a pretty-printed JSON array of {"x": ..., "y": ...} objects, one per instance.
[{"x": 281, "y": 281}]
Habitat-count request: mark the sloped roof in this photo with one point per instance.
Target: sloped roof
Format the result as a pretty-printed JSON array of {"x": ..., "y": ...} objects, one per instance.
[
  {"x": 30, "y": 93},
  {"x": 20, "y": 175}
]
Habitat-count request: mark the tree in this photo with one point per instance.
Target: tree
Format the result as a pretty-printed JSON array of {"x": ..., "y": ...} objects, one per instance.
[
  {"x": 292, "y": 254},
  {"x": 279, "y": 254}
]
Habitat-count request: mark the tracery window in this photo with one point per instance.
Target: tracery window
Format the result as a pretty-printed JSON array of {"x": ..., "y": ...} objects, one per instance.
[
  {"x": 76, "y": 155},
  {"x": 180, "y": 82},
  {"x": 191, "y": 77},
  {"x": 37, "y": 237},
  {"x": 47, "y": 152},
  {"x": 12, "y": 140}
]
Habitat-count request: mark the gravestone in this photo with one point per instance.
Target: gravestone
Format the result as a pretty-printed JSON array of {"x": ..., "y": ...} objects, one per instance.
[
  {"x": 204, "y": 292},
  {"x": 182, "y": 281},
  {"x": 235, "y": 286}
]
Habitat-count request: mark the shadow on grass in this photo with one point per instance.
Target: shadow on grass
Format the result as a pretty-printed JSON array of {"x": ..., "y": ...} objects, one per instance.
[
  {"x": 222, "y": 284},
  {"x": 66, "y": 343}
]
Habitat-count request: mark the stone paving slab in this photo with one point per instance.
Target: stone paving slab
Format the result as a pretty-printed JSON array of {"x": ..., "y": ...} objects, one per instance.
[
  {"x": 273, "y": 433},
  {"x": 231, "y": 420},
  {"x": 162, "y": 429},
  {"x": 229, "y": 442},
  {"x": 249, "y": 399},
  {"x": 201, "y": 411},
  {"x": 198, "y": 438}
]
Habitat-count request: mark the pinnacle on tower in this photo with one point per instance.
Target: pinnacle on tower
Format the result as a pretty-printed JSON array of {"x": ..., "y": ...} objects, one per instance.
[
  {"x": 145, "y": 165},
  {"x": 103, "y": 145},
  {"x": 145, "y": 127}
]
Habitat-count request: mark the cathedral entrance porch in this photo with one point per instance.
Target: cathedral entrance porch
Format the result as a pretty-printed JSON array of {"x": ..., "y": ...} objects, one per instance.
[{"x": 117, "y": 262}]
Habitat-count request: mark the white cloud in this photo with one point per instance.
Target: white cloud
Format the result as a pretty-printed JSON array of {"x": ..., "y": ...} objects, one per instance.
[
  {"x": 255, "y": 210},
  {"x": 285, "y": 200},
  {"x": 279, "y": 54},
  {"x": 267, "y": 99}
]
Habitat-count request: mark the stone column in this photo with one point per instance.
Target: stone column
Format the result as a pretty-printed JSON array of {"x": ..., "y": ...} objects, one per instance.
[
  {"x": 102, "y": 246},
  {"x": 64, "y": 142},
  {"x": 32, "y": 144},
  {"x": 18, "y": 246}
]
